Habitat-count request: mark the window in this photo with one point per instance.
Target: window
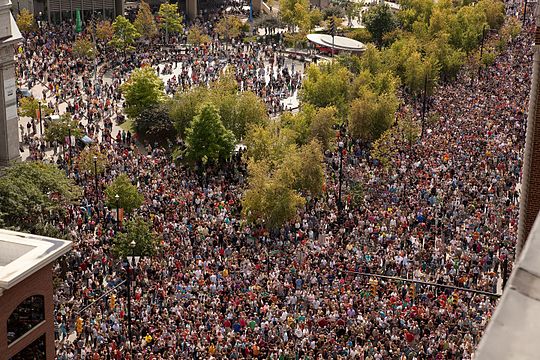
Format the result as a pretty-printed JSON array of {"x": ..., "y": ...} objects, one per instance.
[
  {"x": 55, "y": 17},
  {"x": 34, "y": 351},
  {"x": 25, "y": 317}
]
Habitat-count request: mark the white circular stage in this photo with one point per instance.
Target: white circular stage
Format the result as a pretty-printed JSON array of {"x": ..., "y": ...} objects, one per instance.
[{"x": 340, "y": 42}]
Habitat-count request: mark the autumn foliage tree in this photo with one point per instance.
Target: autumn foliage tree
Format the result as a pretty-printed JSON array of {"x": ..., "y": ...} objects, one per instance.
[{"x": 145, "y": 22}]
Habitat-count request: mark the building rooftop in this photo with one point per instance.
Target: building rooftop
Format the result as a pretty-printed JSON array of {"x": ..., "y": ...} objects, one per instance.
[
  {"x": 339, "y": 42},
  {"x": 23, "y": 254}
]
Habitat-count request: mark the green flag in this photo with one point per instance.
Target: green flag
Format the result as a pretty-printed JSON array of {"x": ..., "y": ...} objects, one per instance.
[{"x": 78, "y": 21}]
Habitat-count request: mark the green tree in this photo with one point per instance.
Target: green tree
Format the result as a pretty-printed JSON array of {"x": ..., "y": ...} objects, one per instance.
[
  {"x": 466, "y": 29},
  {"x": 314, "y": 18},
  {"x": 170, "y": 19},
  {"x": 26, "y": 21},
  {"x": 350, "y": 62},
  {"x": 85, "y": 160},
  {"x": 494, "y": 12},
  {"x": 379, "y": 20},
  {"x": 322, "y": 126},
  {"x": 371, "y": 115},
  {"x": 408, "y": 129},
  {"x": 246, "y": 109},
  {"x": 356, "y": 192},
  {"x": 196, "y": 36},
  {"x": 143, "y": 89},
  {"x": 270, "y": 143},
  {"x": 124, "y": 34},
  {"x": 415, "y": 11},
  {"x": 207, "y": 140},
  {"x": 154, "y": 124},
  {"x": 360, "y": 34},
  {"x": 384, "y": 149},
  {"x": 294, "y": 13},
  {"x": 32, "y": 194},
  {"x": 83, "y": 47},
  {"x": 29, "y": 107},
  {"x": 145, "y": 22},
  {"x": 395, "y": 56},
  {"x": 268, "y": 200},
  {"x": 418, "y": 71},
  {"x": 104, "y": 30},
  {"x": 327, "y": 84},
  {"x": 299, "y": 123},
  {"x": 140, "y": 232},
  {"x": 334, "y": 11},
  {"x": 449, "y": 58},
  {"x": 184, "y": 107},
  {"x": 303, "y": 169},
  {"x": 129, "y": 197},
  {"x": 60, "y": 129},
  {"x": 229, "y": 27}
]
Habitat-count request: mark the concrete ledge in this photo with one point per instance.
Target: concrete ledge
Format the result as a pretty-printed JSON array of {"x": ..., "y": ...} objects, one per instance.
[{"x": 514, "y": 329}]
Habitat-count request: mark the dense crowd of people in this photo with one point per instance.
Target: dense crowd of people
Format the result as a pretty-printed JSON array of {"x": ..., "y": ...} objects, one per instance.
[{"x": 444, "y": 212}]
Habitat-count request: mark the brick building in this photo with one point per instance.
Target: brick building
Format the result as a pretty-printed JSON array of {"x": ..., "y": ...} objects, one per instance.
[{"x": 26, "y": 295}]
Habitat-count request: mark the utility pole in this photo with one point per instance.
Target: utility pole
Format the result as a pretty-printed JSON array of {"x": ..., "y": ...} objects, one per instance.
[
  {"x": 481, "y": 50},
  {"x": 424, "y": 106},
  {"x": 524, "y": 12},
  {"x": 40, "y": 120},
  {"x": 341, "y": 147},
  {"x": 333, "y": 32}
]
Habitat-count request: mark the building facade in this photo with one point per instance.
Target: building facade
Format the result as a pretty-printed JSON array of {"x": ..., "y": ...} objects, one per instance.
[
  {"x": 529, "y": 200},
  {"x": 26, "y": 295},
  {"x": 9, "y": 38},
  {"x": 56, "y": 11}
]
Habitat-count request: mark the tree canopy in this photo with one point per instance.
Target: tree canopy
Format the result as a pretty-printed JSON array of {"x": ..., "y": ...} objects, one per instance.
[
  {"x": 379, "y": 20},
  {"x": 196, "y": 36},
  {"x": 238, "y": 110},
  {"x": 25, "y": 21},
  {"x": 30, "y": 106},
  {"x": 129, "y": 197},
  {"x": 145, "y": 22},
  {"x": 154, "y": 124},
  {"x": 83, "y": 47},
  {"x": 124, "y": 34},
  {"x": 104, "y": 30},
  {"x": 207, "y": 139},
  {"x": 170, "y": 19},
  {"x": 229, "y": 27},
  {"x": 60, "y": 129},
  {"x": 327, "y": 85},
  {"x": 140, "y": 232},
  {"x": 87, "y": 163},
  {"x": 33, "y": 194},
  {"x": 143, "y": 89}
]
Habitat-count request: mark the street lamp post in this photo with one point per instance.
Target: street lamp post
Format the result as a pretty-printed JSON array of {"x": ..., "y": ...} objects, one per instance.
[
  {"x": 69, "y": 143},
  {"x": 524, "y": 12},
  {"x": 40, "y": 121},
  {"x": 341, "y": 147},
  {"x": 95, "y": 177},
  {"x": 424, "y": 106},
  {"x": 481, "y": 50},
  {"x": 132, "y": 245},
  {"x": 132, "y": 263},
  {"x": 117, "y": 197}
]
